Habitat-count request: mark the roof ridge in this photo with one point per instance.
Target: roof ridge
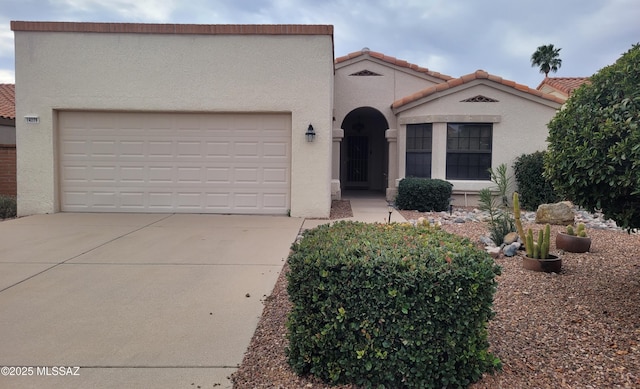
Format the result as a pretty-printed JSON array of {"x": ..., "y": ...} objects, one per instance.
[
  {"x": 392, "y": 60},
  {"x": 477, "y": 75}
]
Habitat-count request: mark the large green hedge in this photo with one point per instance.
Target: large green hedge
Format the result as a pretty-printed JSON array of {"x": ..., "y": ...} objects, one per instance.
[
  {"x": 390, "y": 306},
  {"x": 593, "y": 157},
  {"x": 533, "y": 187}
]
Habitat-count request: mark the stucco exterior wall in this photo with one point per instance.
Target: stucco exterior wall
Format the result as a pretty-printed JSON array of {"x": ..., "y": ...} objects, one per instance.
[
  {"x": 519, "y": 125},
  {"x": 378, "y": 92},
  {"x": 179, "y": 73}
]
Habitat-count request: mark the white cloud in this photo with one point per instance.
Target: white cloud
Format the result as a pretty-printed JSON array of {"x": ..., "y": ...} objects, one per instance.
[
  {"x": 6, "y": 40},
  {"x": 147, "y": 10},
  {"x": 7, "y": 76}
]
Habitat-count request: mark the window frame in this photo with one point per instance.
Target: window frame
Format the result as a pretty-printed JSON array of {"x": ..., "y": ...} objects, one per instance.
[
  {"x": 475, "y": 152},
  {"x": 419, "y": 157}
]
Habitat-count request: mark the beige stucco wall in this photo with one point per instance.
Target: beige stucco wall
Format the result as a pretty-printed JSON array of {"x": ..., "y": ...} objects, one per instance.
[
  {"x": 174, "y": 72},
  {"x": 378, "y": 92},
  {"x": 519, "y": 126}
]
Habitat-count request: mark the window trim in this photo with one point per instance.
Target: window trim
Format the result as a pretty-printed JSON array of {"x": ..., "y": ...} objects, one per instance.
[
  {"x": 480, "y": 175},
  {"x": 425, "y": 151}
]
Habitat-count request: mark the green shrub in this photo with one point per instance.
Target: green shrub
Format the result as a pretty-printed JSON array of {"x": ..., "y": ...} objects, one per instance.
[
  {"x": 8, "y": 207},
  {"x": 424, "y": 194},
  {"x": 390, "y": 305},
  {"x": 533, "y": 187},
  {"x": 593, "y": 157}
]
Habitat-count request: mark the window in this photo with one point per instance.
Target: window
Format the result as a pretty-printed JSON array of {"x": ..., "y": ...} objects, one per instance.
[
  {"x": 419, "y": 150},
  {"x": 469, "y": 151}
]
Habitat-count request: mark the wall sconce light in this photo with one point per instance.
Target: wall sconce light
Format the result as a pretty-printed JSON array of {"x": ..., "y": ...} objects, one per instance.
[{"x": 311, "y": 134}]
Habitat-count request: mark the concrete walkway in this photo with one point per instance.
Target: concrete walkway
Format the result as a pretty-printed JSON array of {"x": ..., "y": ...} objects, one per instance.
[{"x": 367, "y": 207}]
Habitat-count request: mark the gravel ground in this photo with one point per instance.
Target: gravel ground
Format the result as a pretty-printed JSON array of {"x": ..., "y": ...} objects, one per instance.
[{"x": 576, "y": 329}]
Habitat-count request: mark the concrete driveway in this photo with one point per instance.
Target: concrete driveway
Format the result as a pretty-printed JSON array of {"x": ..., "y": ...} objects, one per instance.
[{"x": 134, "y": 300}]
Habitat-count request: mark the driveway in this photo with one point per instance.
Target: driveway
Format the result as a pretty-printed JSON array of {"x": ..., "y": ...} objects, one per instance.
[{"x": 134, "y": 300}]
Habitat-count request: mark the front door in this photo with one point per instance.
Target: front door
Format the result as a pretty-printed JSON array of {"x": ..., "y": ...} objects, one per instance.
[{"x": 357, "y": 161}]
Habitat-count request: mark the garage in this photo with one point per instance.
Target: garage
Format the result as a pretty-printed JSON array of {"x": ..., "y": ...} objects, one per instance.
[{"x": 174, "y": 162}]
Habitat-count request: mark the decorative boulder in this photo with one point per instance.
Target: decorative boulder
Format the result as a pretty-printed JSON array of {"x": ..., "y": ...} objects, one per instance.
[
  {"x": 510, "y": 238},
  {"x": 558, "y": 214}
]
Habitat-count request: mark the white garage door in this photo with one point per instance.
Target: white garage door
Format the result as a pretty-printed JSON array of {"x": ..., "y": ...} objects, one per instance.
[{"x": 174, "y": 162}]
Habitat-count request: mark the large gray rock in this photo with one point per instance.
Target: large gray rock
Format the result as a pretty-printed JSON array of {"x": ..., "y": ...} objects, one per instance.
[
  {"x": 559, "y": 213},
  {"x": 511, "y": 249}
]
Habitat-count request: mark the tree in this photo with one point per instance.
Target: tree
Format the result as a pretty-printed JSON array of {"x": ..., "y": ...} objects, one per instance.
[
  {"x": 547, "y": 58},
  {"x": 593, "y": 157}
]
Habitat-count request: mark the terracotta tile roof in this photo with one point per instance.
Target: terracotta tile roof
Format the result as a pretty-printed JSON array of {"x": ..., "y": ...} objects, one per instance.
[
  {"x": 565, "y": 85},
  {"x": 200, "y": 29},
  {"x": 8, "y": 101},
  {"x": 392, "y": 61},
  {"x": 477, "y": 75}
]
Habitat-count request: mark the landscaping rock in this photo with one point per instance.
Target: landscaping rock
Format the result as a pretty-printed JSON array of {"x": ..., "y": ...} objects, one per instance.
[
  {"x": 511, "y": 249},
  {"x": 557, "y": 214},
  {"x": 510, "y": 238},
  {"x": 485, "y": 240},
  {"x": 493, "y": 251}
]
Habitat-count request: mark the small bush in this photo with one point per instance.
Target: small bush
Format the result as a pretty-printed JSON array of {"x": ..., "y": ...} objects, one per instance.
[
  {"x": 8, "y": 207},
  {"x": 534, "y": 189},
  {"x": 424, "y": 194},
  {"x": 390, "y": 305}
]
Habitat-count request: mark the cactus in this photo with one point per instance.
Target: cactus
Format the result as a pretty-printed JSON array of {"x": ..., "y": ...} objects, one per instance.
[
  {"x": 544, "y": 250},
  {"x": 528, "y": 243},
  {"x": 581, "y": 230},
  {"x": 516, "y": 216},
  {"x": 539, "y": 248},
  {"x": 570, "y": 230}
]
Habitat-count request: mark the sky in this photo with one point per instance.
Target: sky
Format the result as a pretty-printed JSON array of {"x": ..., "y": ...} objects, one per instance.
[{"x": 453, "y": 37}]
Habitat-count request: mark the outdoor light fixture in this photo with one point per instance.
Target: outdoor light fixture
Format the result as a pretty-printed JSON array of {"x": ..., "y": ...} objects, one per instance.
[
  {"x": 390, "y": 209},
  {"x": 311, "y": 134}
]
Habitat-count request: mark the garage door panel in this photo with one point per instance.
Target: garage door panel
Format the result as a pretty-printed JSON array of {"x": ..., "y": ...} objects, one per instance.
[{"x": 220, "y": 163}]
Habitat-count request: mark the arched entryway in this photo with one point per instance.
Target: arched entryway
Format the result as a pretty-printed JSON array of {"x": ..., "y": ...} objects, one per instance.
[{"x": 364, "y": 152}]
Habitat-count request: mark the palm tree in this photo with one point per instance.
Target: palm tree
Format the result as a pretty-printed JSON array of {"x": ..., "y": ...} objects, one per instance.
[{"x": 547, "y": 57}]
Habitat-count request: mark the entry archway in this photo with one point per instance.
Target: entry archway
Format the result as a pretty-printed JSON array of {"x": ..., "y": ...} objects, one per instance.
[{"x": 364, "y": 153}]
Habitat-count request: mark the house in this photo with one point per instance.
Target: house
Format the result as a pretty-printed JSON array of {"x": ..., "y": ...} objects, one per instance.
[
  {"x": 561, "y": 86},
  {"x": 415, "y": 122},
  {"x": 247, "y": 119},
  {"x": 7, "y": 140}
]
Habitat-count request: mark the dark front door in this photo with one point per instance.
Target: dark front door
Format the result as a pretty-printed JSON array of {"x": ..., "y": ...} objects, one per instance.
[{"x": 358, "y": 161}]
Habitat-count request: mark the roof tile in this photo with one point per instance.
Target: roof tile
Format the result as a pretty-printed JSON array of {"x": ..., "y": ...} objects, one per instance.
[
  {"x": 8, "y": 101},
  {"x": 478, "y": 74},
  {"x": 392, "y": 61},
  {"x": 564, "y": 84}
]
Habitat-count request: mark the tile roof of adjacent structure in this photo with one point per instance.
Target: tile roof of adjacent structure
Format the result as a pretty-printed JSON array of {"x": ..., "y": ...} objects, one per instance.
[
  {"x": 392, "y": 61},
  {"x": 477, "y": 75},
  {"x": 8, "y": 101},
  {"x": 565, "y": 85}
]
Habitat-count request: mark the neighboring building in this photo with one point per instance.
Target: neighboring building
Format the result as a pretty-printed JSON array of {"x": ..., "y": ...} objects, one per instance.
[
  {"x": 214, "y": 119},
  {"x": 561, "y": 86},
  {"x": 7, "y": 140}
]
